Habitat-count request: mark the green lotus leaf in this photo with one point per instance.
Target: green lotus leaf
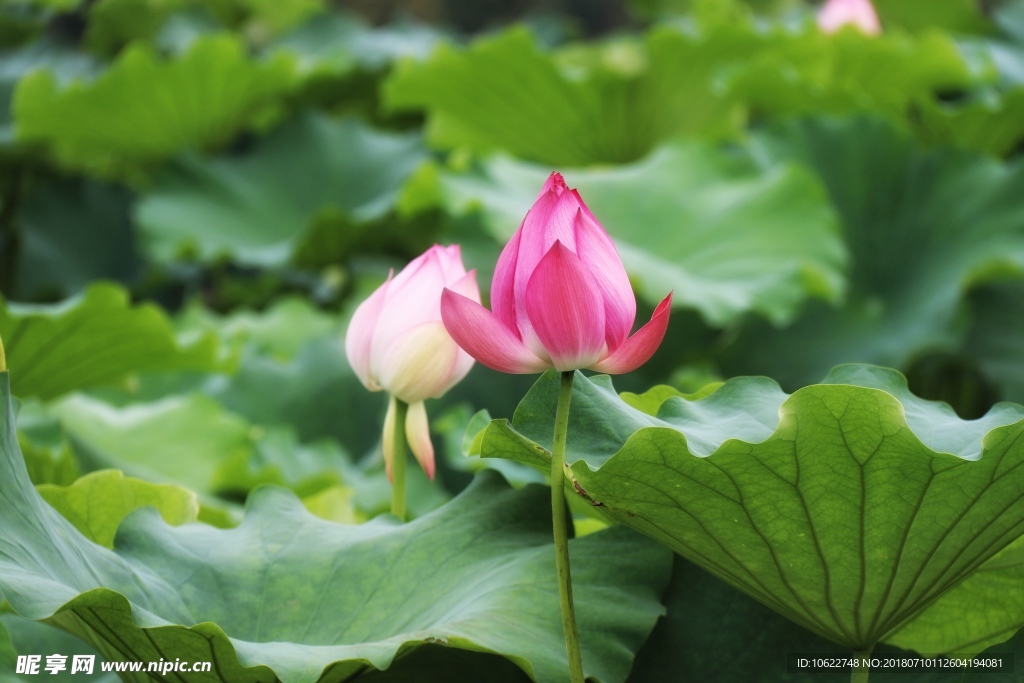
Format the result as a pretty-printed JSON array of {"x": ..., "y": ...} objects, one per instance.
[
  {"x": 610, "y": 103},
  {"x": 692, "y": 219},
  {"x": 922, "y": 227},
  {"x": 183, "y": 440},
  {"x": 64, "y": 62},
  {"x": 279, "y": 332},
  {"x": 617, "y": 101},
  {"x": 811, "y": 72},
  {"x": 94, "y": 338},
  {"x": 713, "y": 632},
  {"x": 98, "y": 502},
  {"x": 115, "y": 23},
  {"x": 142, "y": 109},
  {"x": 993, "y": 122},
  {"x": 336, "y": 42},
  {"x": 258, "y": 208},
  {"x": 985, "y": 609},
  {"x": 848, "y": 506},
  {"x": 289, "y": 595},
  {"x": 36, "y": 637}
]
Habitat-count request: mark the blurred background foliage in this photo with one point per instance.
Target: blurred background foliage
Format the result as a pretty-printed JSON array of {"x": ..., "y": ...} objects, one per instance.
[{"x": 194, "y": 196}]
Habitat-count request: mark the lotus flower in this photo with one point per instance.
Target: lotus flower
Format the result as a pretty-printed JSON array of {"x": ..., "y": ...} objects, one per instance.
[
  {"x": 560, "y": 297},
  {"x": 397, "y": 343},
  {"x": 858, "y": 13}
]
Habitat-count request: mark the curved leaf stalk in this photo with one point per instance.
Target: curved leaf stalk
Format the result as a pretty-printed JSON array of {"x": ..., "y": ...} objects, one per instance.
[
  {"x": 572, "y": 639},
  {"x": 398, "y": 460}
]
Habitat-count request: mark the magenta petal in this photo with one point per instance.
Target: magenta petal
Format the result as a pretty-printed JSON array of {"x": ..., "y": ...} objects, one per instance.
[
  {"x": 484, "y": 337},
  {"x": 503, "y": 296},
  {"x": 597, "y": 251},
  {"x": 639, "y": 348},
  {"x": 566, "y": 310}
]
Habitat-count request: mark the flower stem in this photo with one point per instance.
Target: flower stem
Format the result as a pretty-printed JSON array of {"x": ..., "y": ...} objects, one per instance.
[
  {"x": 572, "y": 639},
  {"x": 398, "y": 463},
  {"x": 861, "y": 671}
]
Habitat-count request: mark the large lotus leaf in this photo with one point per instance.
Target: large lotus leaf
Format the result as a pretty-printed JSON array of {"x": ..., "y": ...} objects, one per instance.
[
  {"x": 992, "y": 122},
  {"x": 183, "y": 440},
  {"x": 115, "y": 23},
  {"x": 713, "y": 632},
  {"x": 616, "y": 102},
  {"x": 848, "y": 506},
  {"x": 317, "y": 393},
  {"x": 983, "y": 610},
  {"x": 38, "y": 638},
  {"x": 692, "y": 219},
  {"x": 280, "y": 331},
  {"x": 98, "y": 502},
  {"x": 258, "y": 207},
  {"x": 142, "y": 109},
  {"x": 335, "y": 41},
  {"x": 289, "y": 595},
  {"x": 94, "y": 338},
  {"x": 609, "y": 103},
  {"x": 64, "y": 62},
  {"x": 192, "y": 441},
  {"x": 811, "y": 72},
  {"x": 921, "y": 226}
]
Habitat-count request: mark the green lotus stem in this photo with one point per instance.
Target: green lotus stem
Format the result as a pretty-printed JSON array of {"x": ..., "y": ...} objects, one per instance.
[
  {"x": 572, "y": 638},
  {"x": 861, "y": 671},
  {"x": 398, "y": 461}
]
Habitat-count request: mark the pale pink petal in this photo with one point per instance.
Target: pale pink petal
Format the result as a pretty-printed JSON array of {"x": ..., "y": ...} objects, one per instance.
[
  {"x": 858, "y": 13},
  {"x": 417, "y": 433},
  {"x": 414, "y": 296},
  {"x": 387, "y": 441},
  {"x": 450, "y": 258},
  {"x": 420, "y": 364},
  {"x": 597, "y": 252},
  {"x": 359, "y": 336},
  {"x": 485, "y": 338},
  {"x": 566, "y": 310},
  {"x": 413, "y": 299},
  {"x": 503, "y": 302},
  {"x": 639, "y": 348},
  {"x": 467, "y": 286},
  {"x": 411, "y": 272}
]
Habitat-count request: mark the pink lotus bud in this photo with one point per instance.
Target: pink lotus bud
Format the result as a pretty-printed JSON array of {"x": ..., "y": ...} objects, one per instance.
[
  {"x": 560, "y": 295},
  {"x": 396, "y": 342},
  {"x": 858, "y": 13}
]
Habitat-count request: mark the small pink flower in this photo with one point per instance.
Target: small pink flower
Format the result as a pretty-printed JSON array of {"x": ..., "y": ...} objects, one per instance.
[
  {"x": 560, "y": 295},
  {"x": 858, "y": 13},
  {"x": 396, "y": 342}
]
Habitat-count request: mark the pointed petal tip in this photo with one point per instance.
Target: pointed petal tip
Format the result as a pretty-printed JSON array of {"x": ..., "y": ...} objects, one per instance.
[
  {"x": 639, "y": 348},
  {"x": 555, "y": 183},
  {"x": 417, "y": 433}
]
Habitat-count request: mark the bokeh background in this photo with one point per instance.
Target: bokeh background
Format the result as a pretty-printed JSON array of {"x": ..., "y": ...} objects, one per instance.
[{"x": 195, "y": 195}]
